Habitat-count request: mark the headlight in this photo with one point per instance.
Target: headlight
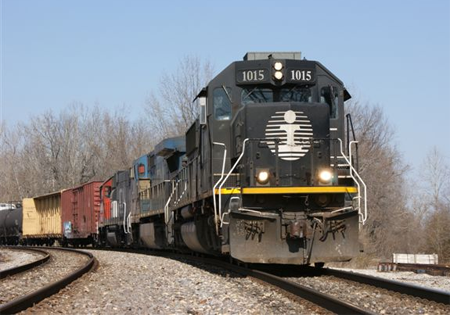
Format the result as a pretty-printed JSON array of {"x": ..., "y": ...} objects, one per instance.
[
  {"x": 278, "y": 75},
  {"x": 278, "y": 66},
  {"x": 263, "y": 177},
  {"x": 325, "y": 176}
]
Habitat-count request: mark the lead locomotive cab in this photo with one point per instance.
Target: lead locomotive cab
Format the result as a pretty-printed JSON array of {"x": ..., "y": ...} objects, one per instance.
[{"x": 284, "y": 187}]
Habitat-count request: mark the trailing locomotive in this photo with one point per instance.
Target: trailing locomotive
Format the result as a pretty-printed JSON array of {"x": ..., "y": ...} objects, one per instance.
[{"x": 265, "y": 174}]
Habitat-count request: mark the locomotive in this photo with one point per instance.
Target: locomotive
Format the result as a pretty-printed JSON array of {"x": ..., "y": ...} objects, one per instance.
[{"x": 266, "y": 174}]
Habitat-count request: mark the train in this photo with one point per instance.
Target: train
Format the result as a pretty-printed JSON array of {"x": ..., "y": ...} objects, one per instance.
[{"x": 266, "y": 174}]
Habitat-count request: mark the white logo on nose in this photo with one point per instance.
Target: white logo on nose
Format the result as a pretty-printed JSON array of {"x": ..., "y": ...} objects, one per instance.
[{"x": 293, "y": 130}]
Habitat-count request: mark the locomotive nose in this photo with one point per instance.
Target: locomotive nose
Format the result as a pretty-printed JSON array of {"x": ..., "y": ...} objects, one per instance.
[{"x": 284, "y": 140}]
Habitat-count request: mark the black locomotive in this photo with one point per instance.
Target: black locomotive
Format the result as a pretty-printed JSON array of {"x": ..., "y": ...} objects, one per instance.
[{"x": 265, "y": 174}]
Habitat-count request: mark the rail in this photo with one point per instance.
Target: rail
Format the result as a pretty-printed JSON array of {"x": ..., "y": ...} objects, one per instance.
[
  {"x": 321, "y": 299},
  {"x": 21, "y": 303},
  {"x": 405, "y": 288},
  {"x": 15, "y": 270}
]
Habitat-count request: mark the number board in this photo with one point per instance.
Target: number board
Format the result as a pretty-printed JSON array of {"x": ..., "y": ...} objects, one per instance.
[
  {"x": 298, "y": 75},
  {"x": 253, "y": 76}
]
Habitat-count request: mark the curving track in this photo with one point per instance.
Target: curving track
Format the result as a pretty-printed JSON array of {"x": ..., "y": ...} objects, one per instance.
[
  {"x": 29, "y": 287},
  {"x": 12, "y": 271}
]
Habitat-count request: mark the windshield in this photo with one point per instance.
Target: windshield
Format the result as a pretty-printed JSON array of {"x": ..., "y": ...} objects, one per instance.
[
  {"x": 265, "y": 95},
  {"x": 256, "y": 95},
  {"x": 296, "y": 94}
]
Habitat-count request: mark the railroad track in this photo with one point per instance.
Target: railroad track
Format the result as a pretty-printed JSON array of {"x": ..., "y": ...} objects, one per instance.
[
  {"x": 17, "y": 269},
  {"x": 323, "y": 300},
  {"x": 298, "y": 286},
  {"x": 435, "y": 295},
  {"x": 24, "y": 289}
]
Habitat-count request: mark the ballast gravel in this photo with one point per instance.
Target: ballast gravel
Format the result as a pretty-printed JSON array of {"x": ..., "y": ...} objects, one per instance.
[
  {"x": 10, "y": 258},
  {"x": 58, "y": 266},
  {"x": 373, "y": 299},
  {"x": 422, "y": 279},
  {"x": 127, "y": 283}
]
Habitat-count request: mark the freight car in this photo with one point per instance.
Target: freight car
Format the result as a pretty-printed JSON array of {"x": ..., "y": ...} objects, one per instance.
[
  {"x": 266, "y": 174},
  {"x": 11, "y": 224},
  {"x": 80, "y": 211},
  {"x": 42, "y": 219}
]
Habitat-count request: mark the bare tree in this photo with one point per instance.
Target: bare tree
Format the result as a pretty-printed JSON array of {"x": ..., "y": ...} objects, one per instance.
[
  {"x": 172, "y": 111},
  {"x": 79, "y": 144},
  {"x": 436, "y": 174},
  {"x": 435, "y": 198},
  {"x": 383, "y": 171},
  {"x": 11, "y": 185}
]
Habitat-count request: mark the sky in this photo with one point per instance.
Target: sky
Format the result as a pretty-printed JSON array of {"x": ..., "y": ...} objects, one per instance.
[{"x": 391, "y": 53}]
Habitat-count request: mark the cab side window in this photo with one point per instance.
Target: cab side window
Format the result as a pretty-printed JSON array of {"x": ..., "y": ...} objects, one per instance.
[
  {"x": 222, "y": 103},
  {"x": 329, "y": 95}
]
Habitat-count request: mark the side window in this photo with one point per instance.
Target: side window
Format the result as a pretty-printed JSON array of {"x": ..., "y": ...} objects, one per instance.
[
  {"x": 329, "y": 95},
  {"x": 222, "y": 103}
]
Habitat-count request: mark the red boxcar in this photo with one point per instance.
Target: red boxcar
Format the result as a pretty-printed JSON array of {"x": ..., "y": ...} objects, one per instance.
[{"x": 80, "y": 214}]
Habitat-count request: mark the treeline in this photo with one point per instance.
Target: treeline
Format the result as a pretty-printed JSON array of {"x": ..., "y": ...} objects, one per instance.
[
  {"x": 408, "y": 212},
  {"x": 56, "y": 151}
]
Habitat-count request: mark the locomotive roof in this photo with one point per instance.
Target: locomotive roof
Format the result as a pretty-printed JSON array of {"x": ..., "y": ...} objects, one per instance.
[
  {"x": 272, "y": 55},
  {"x": 167, "y": 146}
]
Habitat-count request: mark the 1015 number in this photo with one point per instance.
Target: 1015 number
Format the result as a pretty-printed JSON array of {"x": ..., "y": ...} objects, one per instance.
[
  {"x": 253, "y": 75},
  {"x": 301, "y": 75}
]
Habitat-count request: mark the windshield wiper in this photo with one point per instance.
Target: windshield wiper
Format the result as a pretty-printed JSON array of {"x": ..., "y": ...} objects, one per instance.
[
  {"x": 228, "y": 95},
  {"x": 251, "y": 92}
]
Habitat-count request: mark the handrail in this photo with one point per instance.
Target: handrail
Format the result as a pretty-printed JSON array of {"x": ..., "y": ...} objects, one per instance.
[
  {"x": 231, "y": 171},
  {"x": 166, "y": 206},
  {"x": 124, "y": 217},
  {"x": 180, "y": 196},
  {"x": 364, "y": 217},
  {"x": 216, "y": 220},
  {"x": 129, "y": 223},
  {"x": 114, "y": 211},
  {"x": 358, "y": 182}
]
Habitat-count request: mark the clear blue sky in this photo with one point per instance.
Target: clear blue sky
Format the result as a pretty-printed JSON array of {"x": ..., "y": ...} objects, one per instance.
[{"x": 393, "y": 53}]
